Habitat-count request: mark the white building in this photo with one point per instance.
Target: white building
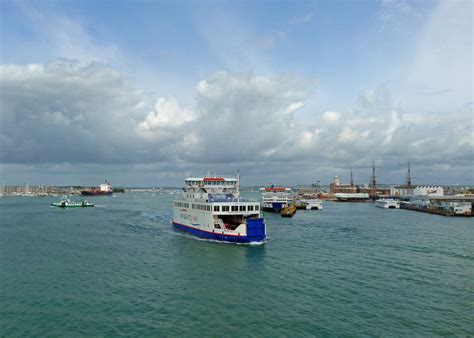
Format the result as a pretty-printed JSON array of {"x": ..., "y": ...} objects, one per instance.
[
  {"x": 402, "y": 190},
  {"x": 419, "y": 190},
  {"x": 428, "y": 190}
]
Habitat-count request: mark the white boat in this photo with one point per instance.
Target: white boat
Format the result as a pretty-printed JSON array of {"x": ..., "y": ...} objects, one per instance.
[
  {"x": 311, "y": 204},
  {"x": 67, "y": 203},
  {"x": 352, "y": 197},
  {"x": 275, "y": 198},
  {"x": 211, "y": 207},
  {"x": 388, "y": 203}
]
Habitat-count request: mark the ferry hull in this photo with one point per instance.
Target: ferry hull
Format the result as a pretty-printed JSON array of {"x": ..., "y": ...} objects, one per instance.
[
  {"x": 255, "y": 232},
  {"x": 276, "y": 207}
]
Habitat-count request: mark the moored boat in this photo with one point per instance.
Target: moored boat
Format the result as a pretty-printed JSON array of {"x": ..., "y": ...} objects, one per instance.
[
  {"x": 311, "y": 204},
  {"x": 388, "y": 203},
  {"x": 211, "y": 208},
  {"x": 352, "y": 197},
  {"x": 67, "y": 203}
]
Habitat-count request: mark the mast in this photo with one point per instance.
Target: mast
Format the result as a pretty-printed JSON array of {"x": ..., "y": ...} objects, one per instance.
[
  {"x": 238, "y": 183},
  {"x": 373, "y": 182},
  {"x": 352, "y": 180},
  {"x": 409, "y": 176}
]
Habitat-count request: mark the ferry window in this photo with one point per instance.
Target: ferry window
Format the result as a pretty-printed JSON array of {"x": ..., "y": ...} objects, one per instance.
[
  {"x": 208, "y": 208},
  {"x": 216, "y": 208},
  {"x": 242, "y": 208},
  {"x": 234, "y": 208},
  {"x": 225, "y": 208},
  {"x": 257, "y": 207},
  {"x": 250, "y": 207}
]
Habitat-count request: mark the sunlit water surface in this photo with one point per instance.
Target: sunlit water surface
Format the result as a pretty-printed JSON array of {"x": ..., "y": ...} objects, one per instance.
[{"x": 121, "y": 269}]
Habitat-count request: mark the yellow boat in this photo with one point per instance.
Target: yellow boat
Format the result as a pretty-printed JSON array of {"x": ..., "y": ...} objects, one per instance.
[{"x": 288, "y": 211}]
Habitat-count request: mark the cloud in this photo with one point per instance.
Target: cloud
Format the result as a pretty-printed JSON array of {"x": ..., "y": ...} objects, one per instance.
[
  {"x": 392, "y": 13},
  {"x": 167, "y": 114},
  {"x": 302, "y": 19},
  {"x": 50, "y": 34},
  {"x": 65, "y": 112},
  {"x": 442, "y": 63}
]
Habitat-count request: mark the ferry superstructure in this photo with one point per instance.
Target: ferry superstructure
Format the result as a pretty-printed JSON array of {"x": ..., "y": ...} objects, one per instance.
[
  {"x": 211, "y": 207},
  {"x": 275, "y": 198}
]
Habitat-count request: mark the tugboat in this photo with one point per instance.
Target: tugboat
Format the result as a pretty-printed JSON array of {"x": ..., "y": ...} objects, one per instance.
[
  {"x": 211, "y": 207},
  {"x": 288, "y": 211},
  {"x": 275, "y": 198},
  {"x": 101, "y": 190},
  {"x": 67, "y": 203}
]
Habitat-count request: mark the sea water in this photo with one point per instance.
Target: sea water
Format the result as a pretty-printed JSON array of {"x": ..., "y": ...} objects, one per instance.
[{"x": 121, "y": 269}]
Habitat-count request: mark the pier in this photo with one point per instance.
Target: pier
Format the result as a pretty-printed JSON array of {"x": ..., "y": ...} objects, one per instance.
[{"x": 460, "y": 206}]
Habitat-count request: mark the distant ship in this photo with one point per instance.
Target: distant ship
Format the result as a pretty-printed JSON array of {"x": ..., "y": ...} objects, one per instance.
[
  {"x": 67, "y": 203},
  {"x": 352, "y": 197},
  {"x": 311, "y": 203},
  {"x": 101, "y": 190},
  {"x": 388, "y": 203},
  {"x": 275, "y": 198},
  {"x": 211, "y": 207}
]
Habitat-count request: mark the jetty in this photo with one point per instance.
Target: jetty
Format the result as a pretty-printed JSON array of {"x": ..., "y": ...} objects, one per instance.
[{"x": 455, "y": 205}]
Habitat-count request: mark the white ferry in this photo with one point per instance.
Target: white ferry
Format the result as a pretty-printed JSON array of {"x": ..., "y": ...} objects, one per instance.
[
  {"x": 67, "y": 203},
  {"x": 352, "y": 197},
  {"x": 312, "y": 203},
  {"x": 275, "y": 198},
  {"x": 211, "y": 207},
  {"x": 388, "y": 203}
]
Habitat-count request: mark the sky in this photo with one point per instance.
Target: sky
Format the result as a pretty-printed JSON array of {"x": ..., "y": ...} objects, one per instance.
[{"x": 146, "y": 93}]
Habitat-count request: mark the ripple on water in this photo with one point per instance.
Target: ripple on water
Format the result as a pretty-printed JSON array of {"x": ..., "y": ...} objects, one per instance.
[{"x": 122, "y": 269}]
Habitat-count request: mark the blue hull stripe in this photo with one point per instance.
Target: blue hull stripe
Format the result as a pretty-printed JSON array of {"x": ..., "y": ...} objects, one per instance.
[{"x": 219, "y": 237}]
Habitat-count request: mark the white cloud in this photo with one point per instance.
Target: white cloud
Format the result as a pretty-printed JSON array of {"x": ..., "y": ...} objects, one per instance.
[
  {"x": 302, "y": 19},
  {"x": 393, "y": 13},
  {"x": 167, "y": 114},
  {"x": 65, "y": 112},
  {"x": 60, "y": 36},
  {"x": 442, "y": 64},
  {"x": 331, "y": 117}
]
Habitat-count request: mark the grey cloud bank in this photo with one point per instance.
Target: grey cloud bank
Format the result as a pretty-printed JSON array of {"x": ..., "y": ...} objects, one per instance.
[{"x": 65, "y": 122}]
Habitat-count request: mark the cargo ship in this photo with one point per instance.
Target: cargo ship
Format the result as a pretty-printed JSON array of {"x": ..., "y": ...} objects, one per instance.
[
  {"x": 104, "y": 189},
  {"x": 211, "y": 207}
]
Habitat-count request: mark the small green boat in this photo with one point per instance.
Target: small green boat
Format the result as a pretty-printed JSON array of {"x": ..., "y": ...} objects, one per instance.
[{"x": 67, "y": 203}]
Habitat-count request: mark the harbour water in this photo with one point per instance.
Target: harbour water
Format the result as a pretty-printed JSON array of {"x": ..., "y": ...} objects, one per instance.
[{"x": 121, "y": 269}]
